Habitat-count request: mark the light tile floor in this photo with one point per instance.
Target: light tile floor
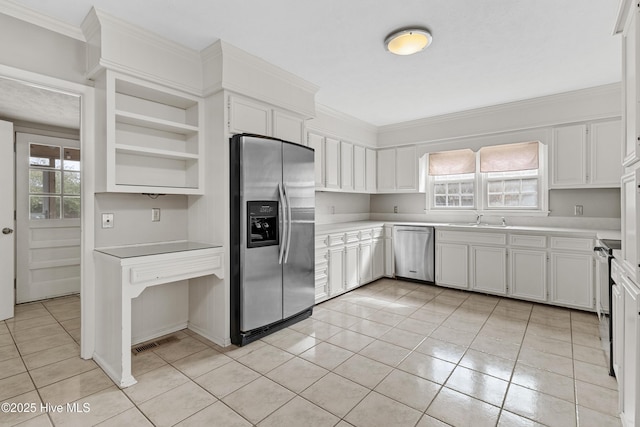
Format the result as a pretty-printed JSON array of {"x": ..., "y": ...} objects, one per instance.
[{"x": 391, "y": 353}]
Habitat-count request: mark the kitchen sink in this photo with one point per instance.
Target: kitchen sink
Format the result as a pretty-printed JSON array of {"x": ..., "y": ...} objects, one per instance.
[{"x": 475, "y": 225}]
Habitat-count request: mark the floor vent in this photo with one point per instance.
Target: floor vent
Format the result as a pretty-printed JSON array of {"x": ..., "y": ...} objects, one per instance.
[{"x": 153, "y": 344}]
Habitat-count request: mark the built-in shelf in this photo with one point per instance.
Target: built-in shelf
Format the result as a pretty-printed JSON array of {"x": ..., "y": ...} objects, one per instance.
[{"x": 154, "y": 139}]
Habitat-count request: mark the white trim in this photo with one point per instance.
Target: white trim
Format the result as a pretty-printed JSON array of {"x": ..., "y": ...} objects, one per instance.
[
  {"x": 87, "y": 132},
  {"x": 31, "y": 16}
]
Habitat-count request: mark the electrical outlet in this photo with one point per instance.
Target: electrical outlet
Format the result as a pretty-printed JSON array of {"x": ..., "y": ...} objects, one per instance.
[
  {"x": 577, "y": 210},
  {"x": 333, "y": 210},
  {"x": 155, "y": 214},
  {"x": 395, "y": 209},
  {"x": 107, "y": 220}
]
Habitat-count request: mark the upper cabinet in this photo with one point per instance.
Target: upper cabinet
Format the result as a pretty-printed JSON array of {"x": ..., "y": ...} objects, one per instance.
[
  {"x": 630, "y": 57},
  {"x": 149, "y": 136},
  {"x": 342, "y": 165},
  {"x": 586, "y": 155},
  {"x": 250, "y": 116},
  {"x": 397, "y": 170}
]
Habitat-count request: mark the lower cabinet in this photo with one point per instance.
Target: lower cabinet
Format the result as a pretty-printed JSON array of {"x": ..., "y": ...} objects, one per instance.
[
  {"x": 345, "y": 261},
  {"x": 452, "y": 265},
  {"x": 617, "y": 303},
  {"x": 571, "y": 280},
  {"x": 629, "y": 379},
  {"x": 489, "y": 269},
  {"x": 528, "y": 278}
]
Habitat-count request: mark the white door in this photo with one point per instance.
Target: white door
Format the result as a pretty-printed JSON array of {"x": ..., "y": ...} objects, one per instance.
[
  {"x": 47, "y": 217},
  {"x": 7, "y": 246},
  {"x": 489, "y": 269}
]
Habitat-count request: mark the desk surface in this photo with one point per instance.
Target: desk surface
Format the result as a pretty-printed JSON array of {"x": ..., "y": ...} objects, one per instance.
[{"x": 133, "y": 251}]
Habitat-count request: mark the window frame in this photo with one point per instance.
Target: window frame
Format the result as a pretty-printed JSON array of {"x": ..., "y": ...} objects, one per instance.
[{"x": 481, "y": 195}]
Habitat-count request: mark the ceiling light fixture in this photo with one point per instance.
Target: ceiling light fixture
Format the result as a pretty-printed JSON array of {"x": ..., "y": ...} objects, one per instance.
[{"x": 408, "y": 41}]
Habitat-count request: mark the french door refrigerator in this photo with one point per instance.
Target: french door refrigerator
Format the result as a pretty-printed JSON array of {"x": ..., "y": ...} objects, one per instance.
[{"x": 272, "y": 207}]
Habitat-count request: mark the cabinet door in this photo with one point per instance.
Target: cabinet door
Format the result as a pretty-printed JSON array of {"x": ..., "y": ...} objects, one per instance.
[
  {"x": 332, "y": 163},
  {"x": 317, "y": 143},
  {"x": 605, "y": 154},
  {"x": 346, "y": 165},
  {"x": 630, "y": 239},
  {"x": 351, "y": 266},
  {"x": 630, "y": 58},
  {"x": 359, "y": 168},
  {"x": 452, "y": 265},
  {"x": 406, "y": 169},
  {"x": 246, "y": 116},
  {"x": 572, "y": 279},
  {"x": 336, "y": 271},
  {"x": 371, "y": 172},
  {"x": 528, "y": 274},
  {"x": 489, "y": 269},
  {"x": 630, "y": 361},
  {"x": 387, "y": 170},
  {"x": 617, "y": 303},
  {"x": 287, "y": 127},
  {"x": 569, "y": 156},
  {"x": 377, "y": 263},
  {"x": 365, "y": 262}
]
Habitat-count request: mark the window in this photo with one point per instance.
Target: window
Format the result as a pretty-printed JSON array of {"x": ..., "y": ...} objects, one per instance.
[
  {"x": 500, "y": 177},
  {"x": 54, "y": 182}
]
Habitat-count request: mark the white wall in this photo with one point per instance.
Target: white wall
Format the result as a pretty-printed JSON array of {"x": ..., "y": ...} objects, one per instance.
[
  {"x": 132, "y": 221},
  {"x": 341, "y": 207}
]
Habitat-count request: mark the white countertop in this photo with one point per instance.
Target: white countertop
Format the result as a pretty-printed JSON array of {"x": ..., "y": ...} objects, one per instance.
[
  {"x": 132, "y": 251},
  {"x": 592, "y": 233}
]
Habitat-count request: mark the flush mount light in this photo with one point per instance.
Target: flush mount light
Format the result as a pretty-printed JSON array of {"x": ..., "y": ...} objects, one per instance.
[{"x": 408, "y": 41}]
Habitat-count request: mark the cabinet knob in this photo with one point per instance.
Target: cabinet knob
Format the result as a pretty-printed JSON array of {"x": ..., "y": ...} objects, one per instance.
[{"x": 7, "y": 230}]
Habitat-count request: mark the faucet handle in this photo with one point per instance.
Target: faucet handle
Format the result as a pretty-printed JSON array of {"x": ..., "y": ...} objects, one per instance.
[{"x": 504, "y": 222}]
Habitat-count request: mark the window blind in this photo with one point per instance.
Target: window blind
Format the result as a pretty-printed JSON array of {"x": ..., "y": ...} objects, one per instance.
[
  {"x": 510, "y": 157},
  {"x": 452, "y": 162}
]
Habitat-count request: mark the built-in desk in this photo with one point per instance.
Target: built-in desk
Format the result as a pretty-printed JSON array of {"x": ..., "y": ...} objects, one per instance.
[{"x": 122, "y": 273}]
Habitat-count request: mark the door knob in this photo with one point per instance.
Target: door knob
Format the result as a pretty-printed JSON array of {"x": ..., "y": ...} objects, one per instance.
[{"x": 7, "y": 230}]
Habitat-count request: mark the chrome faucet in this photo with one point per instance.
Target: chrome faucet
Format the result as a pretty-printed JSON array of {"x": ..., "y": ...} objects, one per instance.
[
  {"x": 478, "y": 218},
  {"x": 504, "y": 222}
]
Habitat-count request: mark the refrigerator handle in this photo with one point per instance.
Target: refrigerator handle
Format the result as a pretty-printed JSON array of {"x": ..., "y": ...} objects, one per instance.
[
  {"x": 284, "y": 223},
  {"x": 286, "y": 195}
]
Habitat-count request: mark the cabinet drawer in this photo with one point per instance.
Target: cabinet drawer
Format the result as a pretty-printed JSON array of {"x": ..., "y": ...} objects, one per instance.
[
  {"x": 527, "y": 241},
  {"x": 378, "y": 232},
  {"x": 322, "y": 241},
  {"x": 471, "y": 237},
  {"x": 572, "y": 244},
  {"x": 353, "y": 236},
  {"x": 192, "y": 266},
  {"x": 366, "y": 235},
  {"x": 336, "y": 239}
]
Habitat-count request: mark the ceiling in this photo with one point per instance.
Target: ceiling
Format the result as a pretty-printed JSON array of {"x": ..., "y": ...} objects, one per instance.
[{"x": 483, "y": 53}]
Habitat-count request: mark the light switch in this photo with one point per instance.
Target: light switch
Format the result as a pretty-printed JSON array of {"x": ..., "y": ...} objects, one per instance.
[
  {"x": 107, "y": 220},
  {"x": 155, "y": 214}
]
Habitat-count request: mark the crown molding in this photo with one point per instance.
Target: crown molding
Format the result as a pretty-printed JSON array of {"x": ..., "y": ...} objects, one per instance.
[
  {"x": 26, "y": 14},
  {"x": 559, "y": 98},
  {"x": 328, "y": 111},
  {"x": 624, "y": 7}
]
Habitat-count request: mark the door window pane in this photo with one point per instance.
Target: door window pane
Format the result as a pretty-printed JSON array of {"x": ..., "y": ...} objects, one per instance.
[
  {"x": 44, "y": 207},
  {"x": 71, "y": 207},
  {"x": 45, "y": 156},
  {"x": 44, "y": 181},
  {"x": 71, "y": 183},
  {"x": 71, "y": 160}
]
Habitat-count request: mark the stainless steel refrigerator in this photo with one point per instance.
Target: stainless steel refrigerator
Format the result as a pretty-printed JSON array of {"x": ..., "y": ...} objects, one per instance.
[{"x": 272, "y": 207}]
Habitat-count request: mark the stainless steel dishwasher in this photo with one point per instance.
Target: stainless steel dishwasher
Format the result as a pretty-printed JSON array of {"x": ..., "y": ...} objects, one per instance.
[{"x": 414, "y": 252}]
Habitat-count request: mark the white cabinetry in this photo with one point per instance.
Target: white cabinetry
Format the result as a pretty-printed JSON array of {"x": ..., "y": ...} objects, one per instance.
[
  {"x": 371, "y": 171},
  {"x": 152, "y": 140},
  {"x": 347, "y": 260},
  {"x": 489, "y": 269},
  {"x": 528, "y": 267},
  {"x": 359, "y": 169},
  {"x": 397, "y": 170},
  {"x": 572, "y": 270},
  {"x": 252, "y": 116},
  {"x": 332, "y": 163},
  {"x": 346, "y": 166},
  {"x": 630, "y": 222},
  {"x": 630, "y": 86},
  {"x": 452, "y": 265},
  {"x": 317, "y": 143},
  {"x": 617, "y": 302},
  {"x": 586, "y": 155}
]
